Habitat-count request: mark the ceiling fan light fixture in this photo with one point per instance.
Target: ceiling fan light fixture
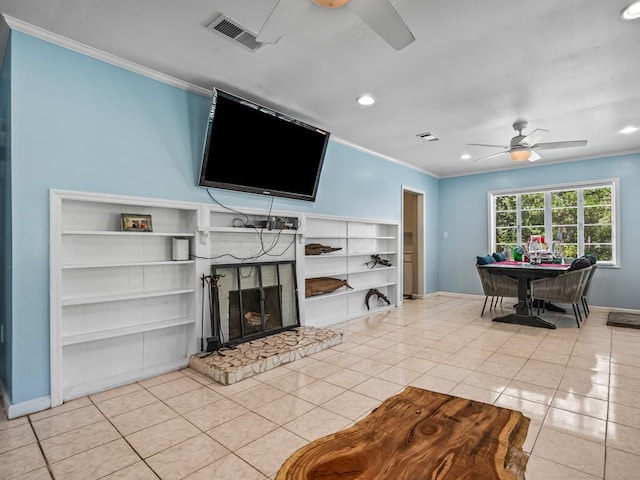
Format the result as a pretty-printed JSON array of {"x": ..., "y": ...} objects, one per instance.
[
  {"x": 331, "y": 3},
  {"x": 631, "y": 11},
  {"x": 520, "y": 154},
  {"x": 365, "y": 100}
]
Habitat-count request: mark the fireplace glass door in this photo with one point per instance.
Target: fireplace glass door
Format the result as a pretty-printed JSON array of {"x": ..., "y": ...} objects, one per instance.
[{"x": 253, "y": 300}]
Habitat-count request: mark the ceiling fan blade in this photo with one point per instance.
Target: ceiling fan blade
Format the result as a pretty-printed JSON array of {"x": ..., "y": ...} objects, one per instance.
[
  {"x": 534, "y": 156},
  {"x": 550, "y": 145},
  {"x": 383, "y": 19},
  {"x": 490, "y": 156},
  {"x": 534, "y": 137},
  {"x": 486, "y": 145},
  {"x": 284, "y": 14}
]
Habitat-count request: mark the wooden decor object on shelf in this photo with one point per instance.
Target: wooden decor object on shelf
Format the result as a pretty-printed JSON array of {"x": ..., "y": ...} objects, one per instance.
[
  {"x": 379, "y": 295},
  {"x": 319, "y": 249},
  {"x": 320, "y": 285},
  {"x": 419, "y": 434}
]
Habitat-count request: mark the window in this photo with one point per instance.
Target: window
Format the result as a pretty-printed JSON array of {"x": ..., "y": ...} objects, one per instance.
[{"x": 574, "y": 219}]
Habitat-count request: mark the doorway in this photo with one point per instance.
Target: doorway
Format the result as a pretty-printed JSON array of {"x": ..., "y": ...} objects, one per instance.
[{"x": 413, "y": 243}]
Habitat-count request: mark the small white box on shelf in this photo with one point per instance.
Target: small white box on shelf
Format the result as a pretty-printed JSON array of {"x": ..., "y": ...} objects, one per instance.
[{"x": 180, "y": 248}]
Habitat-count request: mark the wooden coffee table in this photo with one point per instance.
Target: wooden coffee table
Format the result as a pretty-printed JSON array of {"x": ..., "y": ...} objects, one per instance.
[{"x": 419, "y": 434}]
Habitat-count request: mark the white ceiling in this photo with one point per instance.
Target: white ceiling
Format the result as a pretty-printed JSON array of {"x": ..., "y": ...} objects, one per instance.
[{"x": 569, "y": 66}]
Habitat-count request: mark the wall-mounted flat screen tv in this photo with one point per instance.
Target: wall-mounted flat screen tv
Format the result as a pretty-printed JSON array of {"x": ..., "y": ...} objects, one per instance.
[{"x": 251, "y": 148}]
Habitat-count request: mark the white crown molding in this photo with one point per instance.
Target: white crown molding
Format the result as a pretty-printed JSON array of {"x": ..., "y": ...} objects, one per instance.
[
  {"x": 384, "y": 157},
  {"x": 29, "y": 29}
]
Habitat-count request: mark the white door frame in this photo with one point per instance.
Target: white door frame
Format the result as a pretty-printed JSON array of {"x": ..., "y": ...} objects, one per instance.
[{"x": 419, "y": 255}]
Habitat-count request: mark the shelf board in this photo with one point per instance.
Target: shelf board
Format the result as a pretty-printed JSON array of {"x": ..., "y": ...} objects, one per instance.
[
  {"x": 120, "y": 332},
  {"x": 327, "y": 255},
  {"x": 126, "y": 264},
  {"x": 368, "y": 237},
  {"x": 377, "y": 285},
  {"x": 326, "y": 274},
  {"x": 327, "y": 295},
  {"x": 124, "y": 296},
  {"x": 360, "y": 254},
  {"x": 126, "y": 234},
  {"x": 323, "y": 237},
  {"x": 254, "y": 230},
  {"x": 369, "y": 270}
]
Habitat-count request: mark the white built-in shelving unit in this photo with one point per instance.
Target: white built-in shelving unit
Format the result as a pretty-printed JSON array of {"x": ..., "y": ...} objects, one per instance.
[
  {"x": 358, "y": 240},
  {"x": 121, "y": 308}
]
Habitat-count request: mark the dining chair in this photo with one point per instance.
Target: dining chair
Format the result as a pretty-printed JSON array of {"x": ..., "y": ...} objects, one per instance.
[
  {"x": 497, "y": 287},
  {"x": 565, "y": 288},
  {"x": 585, "y": 305}
]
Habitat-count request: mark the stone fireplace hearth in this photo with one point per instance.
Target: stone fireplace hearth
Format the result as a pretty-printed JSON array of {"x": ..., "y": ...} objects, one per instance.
[{"x": 230, "y": 365}]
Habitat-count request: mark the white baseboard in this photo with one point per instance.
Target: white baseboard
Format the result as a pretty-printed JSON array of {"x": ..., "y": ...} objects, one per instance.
[{"x": 24, "y": 408}]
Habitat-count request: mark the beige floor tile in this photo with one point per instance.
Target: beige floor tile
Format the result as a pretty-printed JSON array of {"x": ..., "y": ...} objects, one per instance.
[
  {"x": 621, "y": 465},
  {"x": 5, "y": 423},
  {"x": 369, "y": 366},
  {"x": 39, "y": 474},
  {"x": 433, "y": 383},
  {"x": 590, "y": 363},
  {"x": 319, "y": 369},
  {"x": 623, "y": 438},
  {"x": 20, "y": 461},
  {"x": 584, "y": 386},
  {"x": 241, "y": 430},
  {"x": 194, "y": 399},
  {"x": 539, "y": 468},
  {"x": 581, "y": 404},
  {"x": 167, "y": 377},
  {"x": 226, "y": 468},
  {"x": 533, "y": 410},
  {"x": 498, "y": 369},
  {"x": 96, "y": 463},
  {"x": 16, "y": 437},
  {"x": 629, "y": 383},
  {"x": 364, "y": 350},
  {"x": 507, "y": 360},
  {"x": 197, "y": 376},
  {"x": 573, "y": 452},
  {"x": 284, "y": 409},
  {"x": 486, "y": 381},
  {"x": 137, "y": 471},
  {"x": 187, "y": 457},
  {"x": 269, "y": 452},
  {"x": 125, "y": 403},
  {"x": 583, "y": 426},
  {"x": 115, "y": 392},
  {"x": 214, "y": 414},
  {"x": 230, "y": 390},
  {"x": 378, "y": 388},
  {"x": 540, "y": 373},
  {"x": 257, "y": 396},
  {"x": 65, "y": 407},
  {"x": 625, "y": 415},
  {"x": 623, "y": 396},
  {"x": 420, "y": 365},
  {"x": 318, "y": 392},
  {"x": 174, "y": 387},
  {"x": 159, "y": 437},
  {"x": 65, "y": 422},
  {"x": 531, "y": 392},
  {"x": 399, "y": 375},
  {"x": 449, "y": 372},
  {"x": 346, "y": 378},
  {"x": 141, "y": 418},
  {"x": 291, "y": 381},
  {"x": 351, "y": 404},
  {"x": 317, "y": 423},
  {"x": 474, "y": 393},
  {"x": 79, "y": 440}
]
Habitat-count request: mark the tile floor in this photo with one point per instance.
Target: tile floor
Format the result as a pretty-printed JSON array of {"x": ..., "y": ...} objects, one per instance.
[{"x": 580, "y": 387}]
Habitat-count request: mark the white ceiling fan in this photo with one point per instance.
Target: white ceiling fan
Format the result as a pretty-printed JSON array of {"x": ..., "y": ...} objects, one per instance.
[
  {"x": 379, "y": 15},
  {"x": 523, "y": 147}
]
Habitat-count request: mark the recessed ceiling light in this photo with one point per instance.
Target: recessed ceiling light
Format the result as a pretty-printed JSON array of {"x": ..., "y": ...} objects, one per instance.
[
  {"x": 366, "y": 100},
  {"x": 631, "y": 11},
  {"x": 465, "y": 156},
  {"x": 629, "y": 129}
]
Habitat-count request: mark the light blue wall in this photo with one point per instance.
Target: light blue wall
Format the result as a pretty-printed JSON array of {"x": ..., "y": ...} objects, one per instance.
[
  {"x": 464, "y": 216},
  {"x": 81, "y": 124},
  {"x": 5, "y": 217}
]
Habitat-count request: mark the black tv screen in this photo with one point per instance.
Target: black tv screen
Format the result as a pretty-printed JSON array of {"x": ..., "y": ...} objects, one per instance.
[{"x": 251, "y": 148}]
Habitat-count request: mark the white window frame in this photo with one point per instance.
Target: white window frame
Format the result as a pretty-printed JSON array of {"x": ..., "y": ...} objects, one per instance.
[{"x": 614, "y": 183}]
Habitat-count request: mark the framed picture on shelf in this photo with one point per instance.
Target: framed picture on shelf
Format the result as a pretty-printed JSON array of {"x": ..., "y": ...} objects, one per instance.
[{"x": 133, "y": 222}]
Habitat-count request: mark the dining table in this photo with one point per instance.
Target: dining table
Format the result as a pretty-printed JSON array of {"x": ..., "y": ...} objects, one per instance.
[{"x": 524, "y": 272}]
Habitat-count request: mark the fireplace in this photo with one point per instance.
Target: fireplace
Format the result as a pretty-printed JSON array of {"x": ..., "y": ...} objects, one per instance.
[{"x": 251, "y": 300}]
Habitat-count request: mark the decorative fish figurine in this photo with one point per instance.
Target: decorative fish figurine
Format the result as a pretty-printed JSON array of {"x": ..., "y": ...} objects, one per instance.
[
  {"x": 319, "y": 249},
  {"x": 320, "y": 285}
]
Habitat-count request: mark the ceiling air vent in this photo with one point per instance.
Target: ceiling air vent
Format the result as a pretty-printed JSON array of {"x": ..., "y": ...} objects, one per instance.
[
  {"x": 234, "y": 31},
  {"x": 428, "y": 136}
]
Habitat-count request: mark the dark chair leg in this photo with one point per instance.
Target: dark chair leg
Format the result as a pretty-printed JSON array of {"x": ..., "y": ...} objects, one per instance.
[
  {"x": 491, "y": 307},
  {"x": 484, "y": 306},
  {"x": 576, "y": 313},
  {"x": 585, "y": 306}
]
